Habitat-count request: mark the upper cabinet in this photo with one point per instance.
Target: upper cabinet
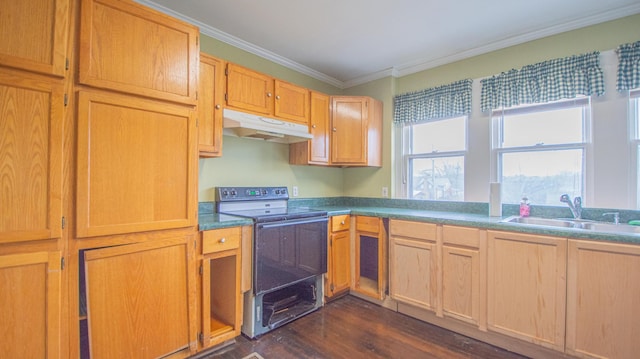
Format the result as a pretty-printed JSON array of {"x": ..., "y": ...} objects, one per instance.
[
  {"x": 316, "y": 150},
  {"x": 347, "y": 131},
  {"x": 291, "y": 102},
  {"x": 356, "y": 131},
  {"x": 251, "y": 91},
  {"x": 39, "y": 45},
  {"x": 160, "y": 61},
  {"x": 31, "y": 116},
  {"x": 137, "y": 165},
  {"x": 210, "y": 101}
]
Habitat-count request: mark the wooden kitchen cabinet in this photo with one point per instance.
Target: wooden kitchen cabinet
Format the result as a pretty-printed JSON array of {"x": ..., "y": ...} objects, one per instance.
[
  {"x": 338, "y": 279},
  {"x": 30, "y": 305},
  {"x": 316, "y": 150},
  {"x": 602, "y": 299},
  {"x": 141, "y": 299},
  {"x": 255, "y": 92},
  {"x": 127, "y": 47},
  {"x": 31, "y": 116},
  {"x": 356, "y": 131},
  {"x": 291, "y": 102},
  {"x": 221, "y": 294},
  {"x": 136, "y": 165},
  {"x": 527, "y": 287},
  {"x": 37, "y": 46},
  {"x": 413, "y": 262},
  {"x": 249, "y": 90},
  {"x": 464, "y": 275},
  {"x": 370, "y": 277},
  {"x": 210, "y": 102}
]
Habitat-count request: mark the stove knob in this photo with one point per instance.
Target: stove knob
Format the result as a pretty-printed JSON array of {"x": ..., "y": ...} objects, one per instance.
[
  {"x": 277, "y": 191},
  {"x": 225, "y": 193},
  {"x": 233, "y": 192}
]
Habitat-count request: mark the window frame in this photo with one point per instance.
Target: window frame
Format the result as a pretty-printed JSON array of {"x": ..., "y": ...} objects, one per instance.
[
  {"x": 497, "y": 135},
  {"x": 634, "y": 142},
  {"x": 408, "y": 156}
]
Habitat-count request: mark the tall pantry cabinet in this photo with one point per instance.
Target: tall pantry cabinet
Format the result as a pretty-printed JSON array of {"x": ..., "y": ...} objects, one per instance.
[
  {"x": 32, "y": 250},
  {"x": 98, "y": 166}
]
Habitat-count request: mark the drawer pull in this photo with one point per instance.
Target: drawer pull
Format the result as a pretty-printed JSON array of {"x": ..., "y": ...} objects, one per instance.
[
  {"x": 342, "y": 223},
  {"x": 222, "y": 240}
]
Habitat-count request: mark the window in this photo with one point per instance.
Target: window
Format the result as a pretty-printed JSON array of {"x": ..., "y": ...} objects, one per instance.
[
  {"x": 540, "y": 150},
  {"x": 434, "y": 159}
]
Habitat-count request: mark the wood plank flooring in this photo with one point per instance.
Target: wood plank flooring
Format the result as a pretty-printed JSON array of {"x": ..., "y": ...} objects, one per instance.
[{"x": 354, "y": 328}]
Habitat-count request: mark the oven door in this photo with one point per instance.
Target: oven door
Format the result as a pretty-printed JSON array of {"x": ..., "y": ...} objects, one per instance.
[{"x": 288, "y": 251}]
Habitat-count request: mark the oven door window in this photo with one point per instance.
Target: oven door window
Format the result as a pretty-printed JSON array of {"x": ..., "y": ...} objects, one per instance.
[{"x": 289, "y": 251}]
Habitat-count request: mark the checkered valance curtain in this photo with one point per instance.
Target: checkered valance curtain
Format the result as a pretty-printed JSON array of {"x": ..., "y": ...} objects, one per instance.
[
  {"x": 628, "y": 66},
  {"x": 544, "y": 82},
  {"x": 437, "y": 102}
]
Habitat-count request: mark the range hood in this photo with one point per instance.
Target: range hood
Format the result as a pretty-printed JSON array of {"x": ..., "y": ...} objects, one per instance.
[{"x": 242, "y": 124}]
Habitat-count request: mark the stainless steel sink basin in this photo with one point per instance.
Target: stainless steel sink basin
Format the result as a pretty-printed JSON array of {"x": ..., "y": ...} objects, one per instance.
[
  {"x": 585, "y": 224},
  {"x": 540, "y": 221},
  {"x": 610, "y": 227}
]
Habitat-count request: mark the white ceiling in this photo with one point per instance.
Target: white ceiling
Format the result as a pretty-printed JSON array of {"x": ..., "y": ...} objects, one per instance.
[{"x": 348, "y": 42}]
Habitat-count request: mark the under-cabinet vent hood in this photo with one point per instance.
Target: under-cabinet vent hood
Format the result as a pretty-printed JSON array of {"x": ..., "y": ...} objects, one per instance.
[{"x": 242, "y": 124}]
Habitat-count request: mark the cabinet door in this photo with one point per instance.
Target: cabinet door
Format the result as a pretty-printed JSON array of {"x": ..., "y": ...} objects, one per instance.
[
  {"x": 349, "y": 130},
  {"x": 30, "y": 305},
  {"x": 602, "y": 300},
  {"x": 413, "y": 272},
  {"x": 527, "y": 287},
  {"x": 320, "y": 122},
  {"x": 464, "y": 275},
  {"x": 210, "y": 99},
  {"x": 128, "y": 47},
  {"x": 136, "y": 165},
  {"x": 31, "y": 114},
  {"x": 249, "y": 90},
  {"x": 340, "y": 247},
  {"x": 38, "y": 45},
  {"x": 141, "y": 299},
  {"x": 291, "y": 102}
]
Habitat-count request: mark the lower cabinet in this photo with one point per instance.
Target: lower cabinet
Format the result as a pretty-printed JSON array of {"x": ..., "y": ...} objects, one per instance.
[
  {"x": 370, "y": 257},
  {"x": 527, "y": 287},
  {"x": 30, "y": 305},
  {"x": 140, "y": 299},
  {"x": 603, "y": 295},
  {"x": 414, "y": 263},
  {"x": 464, "y": 275},
  {"x": 221, "y": 299},
  {"x": 338, "y": 279}
]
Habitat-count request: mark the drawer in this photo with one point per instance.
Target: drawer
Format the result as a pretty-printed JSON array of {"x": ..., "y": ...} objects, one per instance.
[
  {"x": 220, "y": 239},
  {"x": 368, "y": 224},
  {"x": 340, "y": 223},
  {"x": 410, "y": 229},
  {"x": 461, "y": 236}
]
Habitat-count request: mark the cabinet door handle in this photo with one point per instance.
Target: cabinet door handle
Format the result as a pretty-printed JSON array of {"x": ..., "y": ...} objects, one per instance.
[
  {"x": 335, "y": 129},
  {"x": 268, "y": 94},
  {"x": 217, "y": 107},
  {"x": 277, "y": 97},
  {"x": 313, "y": 126},
  {"x": 222, "y": 240}
]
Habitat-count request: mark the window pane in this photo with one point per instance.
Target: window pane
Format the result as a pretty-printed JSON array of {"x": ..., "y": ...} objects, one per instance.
[
  {"x": 439, "y": 136},
  {"x": 543, "y": 127},
  {"x": 440, "y": 178},
  {"x": 542, "y": 176}
]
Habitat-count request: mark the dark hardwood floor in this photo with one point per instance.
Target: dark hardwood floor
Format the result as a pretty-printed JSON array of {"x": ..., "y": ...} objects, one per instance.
[{"x": 353, "y": 328}]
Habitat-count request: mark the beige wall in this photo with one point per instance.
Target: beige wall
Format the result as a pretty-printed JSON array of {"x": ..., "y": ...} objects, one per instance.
[{"x": 244, "y": 159}]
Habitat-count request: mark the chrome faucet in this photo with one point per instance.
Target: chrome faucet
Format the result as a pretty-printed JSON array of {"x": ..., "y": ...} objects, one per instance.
[
  {"x": 616, "y": 216},
  {"x": 576, "y": 206}
]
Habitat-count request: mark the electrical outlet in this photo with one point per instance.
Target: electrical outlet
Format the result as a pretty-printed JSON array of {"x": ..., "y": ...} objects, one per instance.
[
  {"x": 295, "y": 191},
  {"x": 385, "y": 191}
]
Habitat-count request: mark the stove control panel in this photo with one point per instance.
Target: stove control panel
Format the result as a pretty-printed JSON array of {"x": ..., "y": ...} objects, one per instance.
[{"x": 228, "y": 194}]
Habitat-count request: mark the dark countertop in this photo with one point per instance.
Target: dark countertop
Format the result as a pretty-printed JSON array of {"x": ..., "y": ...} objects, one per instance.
[{"x": 208, "y": 221}]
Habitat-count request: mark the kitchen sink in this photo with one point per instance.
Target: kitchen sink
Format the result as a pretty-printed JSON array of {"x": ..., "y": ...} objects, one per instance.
[{"x": 585, "y": 224}]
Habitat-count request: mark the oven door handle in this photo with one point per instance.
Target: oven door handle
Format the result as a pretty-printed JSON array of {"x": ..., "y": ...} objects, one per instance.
[{"x": 291, "y": 222}]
